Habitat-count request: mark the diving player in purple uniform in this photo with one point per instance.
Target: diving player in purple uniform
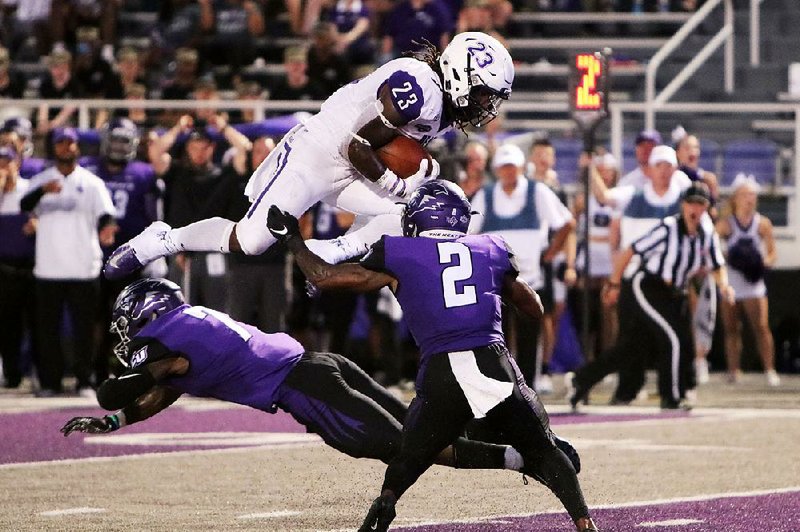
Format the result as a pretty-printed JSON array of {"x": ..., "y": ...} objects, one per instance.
[
  {"x": 171, "y": 348},
  {"x": 450, "y": 288}
]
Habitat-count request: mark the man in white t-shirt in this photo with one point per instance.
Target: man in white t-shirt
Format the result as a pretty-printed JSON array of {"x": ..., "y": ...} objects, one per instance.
[
  {"x": 522, "y": 212},
  {"x": 646, "y": 140},
  {"x": 76, "y": 216}
]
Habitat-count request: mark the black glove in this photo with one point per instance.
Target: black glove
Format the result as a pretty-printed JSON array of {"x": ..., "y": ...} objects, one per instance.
[
  {"x": 281, "y": 224},
  {"x": 91, "y": 425}
]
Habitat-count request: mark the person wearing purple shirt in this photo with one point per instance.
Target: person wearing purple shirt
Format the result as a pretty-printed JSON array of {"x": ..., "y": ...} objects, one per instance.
[
  {"x": 450, "y": 287},
  {"x": 171, "y": 348},
  {"x": 351, "y": 18},
  {"x": 414, "y": 20}
]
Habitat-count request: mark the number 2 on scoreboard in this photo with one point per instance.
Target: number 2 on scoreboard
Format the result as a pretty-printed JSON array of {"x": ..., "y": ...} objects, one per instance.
[{"x": 586, "y": 96}]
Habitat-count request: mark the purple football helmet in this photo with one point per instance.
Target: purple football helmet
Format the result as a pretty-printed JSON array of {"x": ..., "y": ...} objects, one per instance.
[
  {"x": 119, "y": 140},
  {"x": 137, "y": 305},
  {"x": 437, "y": 209}
]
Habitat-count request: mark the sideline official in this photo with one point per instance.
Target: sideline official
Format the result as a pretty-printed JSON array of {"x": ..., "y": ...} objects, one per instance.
[{"x": 653, "y": 309}]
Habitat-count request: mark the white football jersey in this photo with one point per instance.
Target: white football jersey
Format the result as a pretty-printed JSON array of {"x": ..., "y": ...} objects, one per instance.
[{"x": 415, "y": 90}]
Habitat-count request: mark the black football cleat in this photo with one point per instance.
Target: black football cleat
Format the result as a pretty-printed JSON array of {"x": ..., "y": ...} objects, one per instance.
[
  {"x": 380, "y": 515},
  {"x": 575, "y": 392}
]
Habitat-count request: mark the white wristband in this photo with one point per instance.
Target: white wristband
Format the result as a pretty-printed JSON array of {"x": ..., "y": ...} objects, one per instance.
[
  {"x": 391, "y": 183},
  {"x": 121, "y": 418}
]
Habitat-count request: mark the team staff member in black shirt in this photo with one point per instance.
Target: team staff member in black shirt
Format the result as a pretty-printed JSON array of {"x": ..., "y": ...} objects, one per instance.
[{"x": 654, "y": 315}]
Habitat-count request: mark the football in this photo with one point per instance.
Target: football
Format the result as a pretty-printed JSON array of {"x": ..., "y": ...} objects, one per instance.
[{"x": 402, "y": 156}]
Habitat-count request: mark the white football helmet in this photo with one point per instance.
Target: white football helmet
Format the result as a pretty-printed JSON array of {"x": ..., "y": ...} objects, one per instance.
[{"x": 477, "y": 71}]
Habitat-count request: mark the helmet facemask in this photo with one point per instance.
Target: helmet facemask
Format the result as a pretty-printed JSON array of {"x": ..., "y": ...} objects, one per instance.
[
  {"x": 483, "y": 106},
  {"x": 120, "y": 327}
]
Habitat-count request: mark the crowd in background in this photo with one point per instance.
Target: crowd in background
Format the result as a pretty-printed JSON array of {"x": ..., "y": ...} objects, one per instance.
[{"x": 186, "y": 167}]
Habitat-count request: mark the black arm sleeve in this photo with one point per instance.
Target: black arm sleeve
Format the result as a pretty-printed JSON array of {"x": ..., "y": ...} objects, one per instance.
[
  {"x": 114, "y": 394},
  {"x": 31, "y": 200}
]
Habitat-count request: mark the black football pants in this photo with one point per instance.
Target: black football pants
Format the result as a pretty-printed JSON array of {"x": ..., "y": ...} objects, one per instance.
[{"x": 441, "y": 410}]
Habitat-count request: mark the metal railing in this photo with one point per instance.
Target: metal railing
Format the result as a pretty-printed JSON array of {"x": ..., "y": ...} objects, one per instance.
[
  {"x": 723, "y": 36},
  {"x": 755, "y": 32}
]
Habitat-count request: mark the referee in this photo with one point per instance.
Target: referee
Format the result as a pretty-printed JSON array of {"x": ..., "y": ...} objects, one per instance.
[{"x": 653, "y": 311}]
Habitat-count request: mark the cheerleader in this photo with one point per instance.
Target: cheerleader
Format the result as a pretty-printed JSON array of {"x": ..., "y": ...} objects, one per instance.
[{"x": 751, "y": 249}]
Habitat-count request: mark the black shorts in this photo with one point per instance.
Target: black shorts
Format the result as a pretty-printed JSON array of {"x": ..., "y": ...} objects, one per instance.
[{"x": 332, "y": 397}]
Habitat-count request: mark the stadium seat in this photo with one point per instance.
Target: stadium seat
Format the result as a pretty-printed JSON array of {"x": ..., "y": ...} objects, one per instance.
[
  {"x": 568, "y": 151},
  {"x": 754, "y": 156}
]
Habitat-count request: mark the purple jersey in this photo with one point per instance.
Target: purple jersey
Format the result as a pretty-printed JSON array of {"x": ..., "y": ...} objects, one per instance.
[
  {"x": 228, "y": 360},
  {"x": 134, "y": 191},
  {"x": 449, "y": 290}
]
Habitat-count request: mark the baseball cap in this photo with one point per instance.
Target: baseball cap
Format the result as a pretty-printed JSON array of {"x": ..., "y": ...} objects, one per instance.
[
  {"x": 66, "y": 133},
  {"x": 663, "y": 154},
  {"x": 200, "y": 133},
  {"x": 607, "y": 160},
  {"x": 697, "y": 193},
  {"x": 508, "y": 154},
  {"x": 8, "y": 152},
  {"x": 648, "y": 135}
]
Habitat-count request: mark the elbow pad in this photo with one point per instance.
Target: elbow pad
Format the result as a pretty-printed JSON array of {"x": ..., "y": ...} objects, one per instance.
[{"x": 118, "y": 393}]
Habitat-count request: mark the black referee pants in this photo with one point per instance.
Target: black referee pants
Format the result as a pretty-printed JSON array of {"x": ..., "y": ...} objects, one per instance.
[
  {"x": 450, "y": 388},
  {"x": 654, "y": 321}
]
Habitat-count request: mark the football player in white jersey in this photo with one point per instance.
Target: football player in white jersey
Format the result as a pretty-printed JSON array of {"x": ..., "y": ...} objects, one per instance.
[{"x": 332, "y": 156}]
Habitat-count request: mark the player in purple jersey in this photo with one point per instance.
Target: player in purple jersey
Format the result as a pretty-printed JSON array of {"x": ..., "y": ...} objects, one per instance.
[
  {"x": 171, "y": 348},
  {"x": 132, "y": 184},
  {"x": 450, "y": 287}
]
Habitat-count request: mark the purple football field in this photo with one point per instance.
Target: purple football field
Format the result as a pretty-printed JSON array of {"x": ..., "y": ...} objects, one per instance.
[{"x": 776, "y": 512}]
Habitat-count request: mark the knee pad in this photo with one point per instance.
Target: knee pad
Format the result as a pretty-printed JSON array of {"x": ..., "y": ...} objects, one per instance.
[{"x": 567, "y": 448}]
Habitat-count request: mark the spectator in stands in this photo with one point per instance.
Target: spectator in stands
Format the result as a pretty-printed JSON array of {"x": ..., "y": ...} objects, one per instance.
[
  {"x": 327, "y": 67},
  {"x": 17, "y": 132},
  {"x": 231, "y": 25},
  {"x": 57, "y": 84},
  {"x": 23, "y": 19},
  {"x": 413, "y": 20},
  {"x": 178, "y": 27},
  {"x": 560, "y": 272},
  {"x": 476, "y": 15},
  {"x": 12, "y": 83},
  {"x": 258, "y": 285},
  {"x": 351, "y": 18},
  {"x": 601, "y": 248},
  {"x": 646, "y": 140},
  {"x": 66, "y": 16},
  {"x": 303, "y": 15},
  {"x": 94, "y": 74},
  {"x": 205, "y": 90},
  {"x": 751, "y": 250},
  {"x": 196, "y": 189},
  {"x": 143, "y": 118},
  {"x": 246, "y": 90},
  {"x": 17, "y": 241},
  {"x": 185, "y": 76},
  {"x": 522, "y": 211},
  {"x": 129, "y": 66},
  {"x": 297, "y": 85},
  {"x": 76, "y": 217},
  {"x": 474, "y": 176}
]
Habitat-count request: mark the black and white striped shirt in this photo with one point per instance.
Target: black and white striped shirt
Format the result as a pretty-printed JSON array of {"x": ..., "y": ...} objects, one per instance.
[{"x": 669, "y": 252}]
